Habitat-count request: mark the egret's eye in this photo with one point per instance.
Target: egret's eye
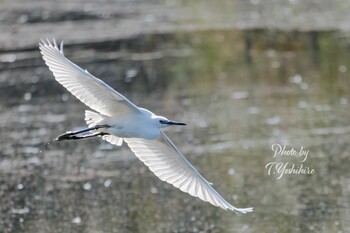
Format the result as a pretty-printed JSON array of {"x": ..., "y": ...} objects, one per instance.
[{"x": 162, "y": 121}]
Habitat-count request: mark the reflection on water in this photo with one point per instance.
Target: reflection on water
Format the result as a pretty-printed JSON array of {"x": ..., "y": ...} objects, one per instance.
[{"x": 239, "y": 92}]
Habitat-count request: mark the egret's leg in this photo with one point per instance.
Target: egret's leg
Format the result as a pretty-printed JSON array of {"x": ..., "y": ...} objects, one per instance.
[
  {"x": 86, "y": 130},
  {"x": 69, "y": 135},
  {"x": 76, "y": 137}
]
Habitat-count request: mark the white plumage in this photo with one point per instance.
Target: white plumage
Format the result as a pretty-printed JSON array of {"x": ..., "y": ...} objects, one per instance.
[{"x": 120, "y": 120}]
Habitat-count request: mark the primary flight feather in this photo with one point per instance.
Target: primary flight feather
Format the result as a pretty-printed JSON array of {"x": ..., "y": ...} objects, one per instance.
[{"x": 117, "y": 119}]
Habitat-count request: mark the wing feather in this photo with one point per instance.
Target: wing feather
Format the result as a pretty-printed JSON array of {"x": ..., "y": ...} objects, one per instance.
[
  {"x": 88, "y": 89},
  {"x": 167, "y": 162}
]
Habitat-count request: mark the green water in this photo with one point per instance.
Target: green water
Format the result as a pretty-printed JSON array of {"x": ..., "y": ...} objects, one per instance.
[{"x": 239, "y": 92}]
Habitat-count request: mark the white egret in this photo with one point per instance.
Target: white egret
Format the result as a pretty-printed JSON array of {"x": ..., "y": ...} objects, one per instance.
[{"x": 117, "y": 119}]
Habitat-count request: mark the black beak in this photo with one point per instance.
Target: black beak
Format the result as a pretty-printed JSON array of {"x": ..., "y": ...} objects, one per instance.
[{"x": 175, "y": 123}]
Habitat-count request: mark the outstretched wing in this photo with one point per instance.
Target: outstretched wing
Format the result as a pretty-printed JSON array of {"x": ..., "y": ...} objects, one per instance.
[
  {"x": 88, "y": 89},
  {"x": 167, "y": 162}
]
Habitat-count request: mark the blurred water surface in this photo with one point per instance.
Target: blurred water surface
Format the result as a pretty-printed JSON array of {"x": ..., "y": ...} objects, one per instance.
[{"x": 240, "y": 92}]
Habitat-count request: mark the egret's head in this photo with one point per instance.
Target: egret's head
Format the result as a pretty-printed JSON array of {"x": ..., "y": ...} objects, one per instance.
[{"x": 163, "y": 122}]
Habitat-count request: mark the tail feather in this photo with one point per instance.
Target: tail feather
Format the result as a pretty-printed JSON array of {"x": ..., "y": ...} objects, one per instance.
[
  {"x": 93, "y": 119},
  {"x": 113, "y": 139}
]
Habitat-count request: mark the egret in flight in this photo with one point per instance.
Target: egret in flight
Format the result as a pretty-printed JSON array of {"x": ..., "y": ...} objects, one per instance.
[{"x": 117, "y": 119}]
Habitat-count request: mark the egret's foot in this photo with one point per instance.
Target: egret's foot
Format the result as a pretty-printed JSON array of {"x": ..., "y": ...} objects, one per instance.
[{"x": 66, "y": 136}]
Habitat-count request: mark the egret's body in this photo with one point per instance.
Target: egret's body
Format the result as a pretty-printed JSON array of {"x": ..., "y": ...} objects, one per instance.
[
  {"x": 142, "y": 125},
  {"x": 117, "y": 120}
]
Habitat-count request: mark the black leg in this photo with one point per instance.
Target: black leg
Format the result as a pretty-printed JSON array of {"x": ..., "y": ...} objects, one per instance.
[
  {"x": 71, "y": 135},
  {"x": 75, "y": 137}
]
